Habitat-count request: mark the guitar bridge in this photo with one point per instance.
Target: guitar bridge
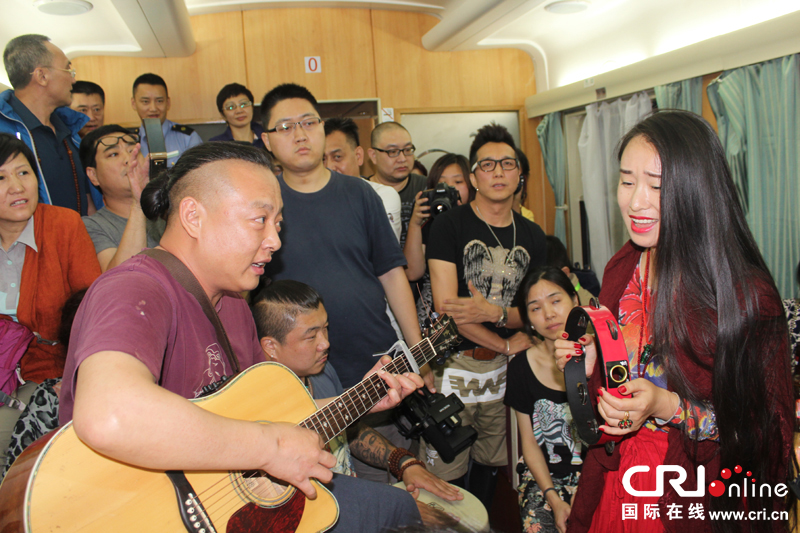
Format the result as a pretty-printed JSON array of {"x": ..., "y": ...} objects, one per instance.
[{"x": 193, "y": 514}]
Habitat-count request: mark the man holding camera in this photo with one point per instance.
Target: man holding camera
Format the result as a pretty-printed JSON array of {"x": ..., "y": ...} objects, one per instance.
[
  {"x": 392, "y": 153},
  {"x": 482, "y": 249}
]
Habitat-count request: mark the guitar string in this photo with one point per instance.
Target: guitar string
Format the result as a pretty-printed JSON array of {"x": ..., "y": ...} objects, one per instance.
[
  {"x": 379, "y": 390},
  {"x": 346, "y": 400},
  {"x": 233, "y": 502}
]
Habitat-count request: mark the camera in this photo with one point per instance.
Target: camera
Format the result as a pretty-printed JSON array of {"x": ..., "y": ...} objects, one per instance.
[
  {"x": 441, "y": 198},
  {"x": 434, "y": 416}
]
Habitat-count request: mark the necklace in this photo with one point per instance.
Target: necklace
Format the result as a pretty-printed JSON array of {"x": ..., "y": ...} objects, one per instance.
[
  {"x": 513, "y": 225},
  {"x": 644, "y": 355}
]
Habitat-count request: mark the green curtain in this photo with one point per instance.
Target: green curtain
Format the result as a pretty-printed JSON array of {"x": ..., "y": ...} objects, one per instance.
[
  {"x": 685, "y": 94},
  {"x": 554, "y": 153},
  {"x": 758, "y": 118}
]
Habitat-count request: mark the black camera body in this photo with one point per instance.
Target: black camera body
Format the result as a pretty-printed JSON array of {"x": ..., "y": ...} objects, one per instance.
[
  {"x": 441, "y": 199},
  {"x": 434, "y": 416}
]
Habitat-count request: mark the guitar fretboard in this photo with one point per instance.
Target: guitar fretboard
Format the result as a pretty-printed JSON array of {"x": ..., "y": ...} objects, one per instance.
[{"x": 359, "y": 399}]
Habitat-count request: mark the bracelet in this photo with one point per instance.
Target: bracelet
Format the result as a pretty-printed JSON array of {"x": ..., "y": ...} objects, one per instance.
[
  {"x": 394, "y": 461},
  {"x": 545, "y": 491},
  {"x": 503, "y": 318},
  {"x": 408, "y": 464},
  {"x": 508, "y": 347}
]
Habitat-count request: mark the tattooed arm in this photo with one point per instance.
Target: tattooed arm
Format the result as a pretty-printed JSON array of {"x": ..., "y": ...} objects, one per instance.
[{"x": 369, "y": 446}]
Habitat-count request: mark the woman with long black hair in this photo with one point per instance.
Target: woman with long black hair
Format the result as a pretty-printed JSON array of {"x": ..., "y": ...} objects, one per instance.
[{"x": 707, "y": 344}]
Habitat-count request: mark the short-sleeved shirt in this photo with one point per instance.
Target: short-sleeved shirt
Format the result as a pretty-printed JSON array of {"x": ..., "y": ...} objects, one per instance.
[
  {"x": 106, "y": 229},
  {"x": 339, "y": 241},
  {"x": 414, "y": 184},
  {"x": 551, "y": 419},
  {"x": 177, "y": 138},
  {"x": 139, "y": 309},
  {"x": 58, "y": 157},
  {"x": 496, "y": 269}
]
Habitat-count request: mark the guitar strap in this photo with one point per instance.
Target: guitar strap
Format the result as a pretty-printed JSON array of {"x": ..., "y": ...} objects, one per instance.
[{"x": 184, "y": 276}]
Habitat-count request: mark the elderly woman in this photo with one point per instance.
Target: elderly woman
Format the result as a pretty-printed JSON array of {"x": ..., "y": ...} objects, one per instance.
[
  {"x": 235, "y": 104},
  {"x": 707, "y": 345}
]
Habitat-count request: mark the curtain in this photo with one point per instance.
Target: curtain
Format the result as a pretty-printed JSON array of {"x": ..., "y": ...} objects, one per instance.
[
  {"x": 758, "y": 116},
  {"x": 554, "y": 153},
  {"x": 604, "y": 126},
  {"x": 686, "y": 95}
]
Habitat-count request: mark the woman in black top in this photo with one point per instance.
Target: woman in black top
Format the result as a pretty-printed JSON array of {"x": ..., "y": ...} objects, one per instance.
[{"x": 552, "y": 453}]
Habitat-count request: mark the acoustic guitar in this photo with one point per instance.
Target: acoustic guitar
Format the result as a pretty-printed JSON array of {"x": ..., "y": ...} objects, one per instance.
[{"x": 60, "y": 484}]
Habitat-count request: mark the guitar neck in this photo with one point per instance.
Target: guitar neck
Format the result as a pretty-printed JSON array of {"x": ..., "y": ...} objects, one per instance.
[{"x": 356, "y": 401}]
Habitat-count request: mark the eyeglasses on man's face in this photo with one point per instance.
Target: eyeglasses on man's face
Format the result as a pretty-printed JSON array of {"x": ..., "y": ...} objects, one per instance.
[
  {"x": 113, "y": 140},
  {"x": 488, "y": 165},
  {"x": 394, "y": 152},
  {"x": 288, "y": 127},
  {"x": 243, "y": 105},
  {"x": 72, "y": 71}
]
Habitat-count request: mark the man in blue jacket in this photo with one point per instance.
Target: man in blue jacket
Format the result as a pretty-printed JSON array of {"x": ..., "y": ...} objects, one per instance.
[{"x": 36, "y": 111}]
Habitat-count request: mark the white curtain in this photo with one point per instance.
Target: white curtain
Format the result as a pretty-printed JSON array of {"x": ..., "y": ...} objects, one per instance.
[{"x": 603, "y": 128}]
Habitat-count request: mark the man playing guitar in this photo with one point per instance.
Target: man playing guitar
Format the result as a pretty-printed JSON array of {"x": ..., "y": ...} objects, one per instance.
[{"x": 143, "y": 344}]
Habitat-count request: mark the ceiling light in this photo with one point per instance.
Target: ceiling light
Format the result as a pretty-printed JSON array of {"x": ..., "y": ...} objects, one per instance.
[
  {"x": 567, "y": 7},
  {"x": 63, "y": 7}
]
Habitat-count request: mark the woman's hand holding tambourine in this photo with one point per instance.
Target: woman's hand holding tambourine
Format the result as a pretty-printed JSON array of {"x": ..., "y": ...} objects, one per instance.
[
  {"x": 646, "y": 400},
  {"x": 566, "y": 350}
]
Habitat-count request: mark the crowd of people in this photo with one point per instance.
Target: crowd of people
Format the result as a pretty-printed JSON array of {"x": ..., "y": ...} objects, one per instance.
[{"x": 300, "y": 260}]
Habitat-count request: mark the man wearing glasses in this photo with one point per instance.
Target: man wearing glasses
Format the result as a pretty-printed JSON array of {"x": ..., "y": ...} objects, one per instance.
[
  {"x": 36, "y": 111},
  {"x": 392, "y": 153},
  {"x": 482, "y": 249},
  {"x": 114, "y": 163},
  {"x": 336, "y": 238},
  {"x": 151, "y": 100}
]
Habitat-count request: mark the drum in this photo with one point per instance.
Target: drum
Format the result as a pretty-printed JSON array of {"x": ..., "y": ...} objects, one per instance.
[{"x": 469, "y": 512}]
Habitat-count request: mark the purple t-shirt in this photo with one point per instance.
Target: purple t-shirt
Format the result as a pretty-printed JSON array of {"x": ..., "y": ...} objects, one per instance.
[{"x": 138, "y": 308}]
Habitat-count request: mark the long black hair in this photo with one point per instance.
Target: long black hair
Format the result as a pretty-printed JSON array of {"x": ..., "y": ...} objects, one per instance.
[
  {"x": 548, "y": 273},
  {"x": 163, "y": 194},
  {"x": 716, "y": 302}
]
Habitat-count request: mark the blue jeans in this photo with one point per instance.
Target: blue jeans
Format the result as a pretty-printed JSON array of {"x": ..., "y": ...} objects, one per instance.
[{"x": 369, "y": 507}]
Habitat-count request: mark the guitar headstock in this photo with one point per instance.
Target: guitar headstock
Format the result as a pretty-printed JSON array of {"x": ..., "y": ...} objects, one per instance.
[{"x": 443, "y": 333}]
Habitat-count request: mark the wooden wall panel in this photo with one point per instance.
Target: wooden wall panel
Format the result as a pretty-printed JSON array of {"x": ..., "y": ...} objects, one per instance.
[
  {"x": 277, "y": 40},
  {"x": 409, "y": 77},
  {"x": 708, "y": 113},
  {"x": 193, "y": 81},
  {"x": 541, "y": 199}
]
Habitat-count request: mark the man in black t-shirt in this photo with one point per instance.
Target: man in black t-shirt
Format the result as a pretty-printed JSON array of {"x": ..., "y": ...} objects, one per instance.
[
  {"x": 482, "y": 249},
  {"x": 392, "y": 153}
]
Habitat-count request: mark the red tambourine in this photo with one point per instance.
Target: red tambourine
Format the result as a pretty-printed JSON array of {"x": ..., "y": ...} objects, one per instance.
[{"x": 613, "y": 358}]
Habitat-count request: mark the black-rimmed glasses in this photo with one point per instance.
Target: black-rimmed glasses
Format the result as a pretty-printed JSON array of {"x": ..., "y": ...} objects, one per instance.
[
  {"x": 243, "y": 105},
  {"x": 287, "y": 127},
  {"x": 488, "y": 165},
  {"x": 394, "y": 152},
  {"x": 113, "y": 140}
]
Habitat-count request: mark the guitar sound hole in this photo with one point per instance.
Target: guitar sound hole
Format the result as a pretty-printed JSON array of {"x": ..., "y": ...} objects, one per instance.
[{"x": 259, "y": 488}]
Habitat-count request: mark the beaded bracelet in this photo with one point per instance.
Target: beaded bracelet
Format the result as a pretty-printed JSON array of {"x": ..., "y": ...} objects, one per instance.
[
  {"x": 408, "y": 464},
  {"x": 394, "y": 461}
]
